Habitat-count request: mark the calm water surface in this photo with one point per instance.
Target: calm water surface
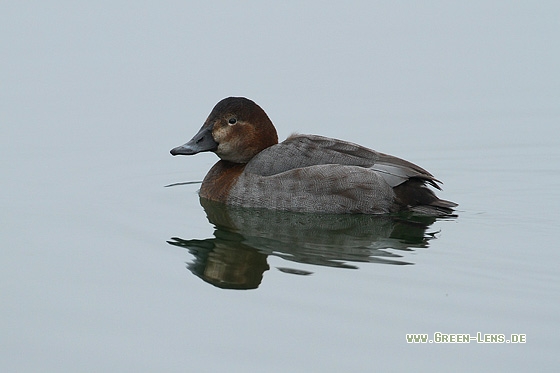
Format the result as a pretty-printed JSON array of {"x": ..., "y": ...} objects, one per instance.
[{"x": 106, "y": 269}]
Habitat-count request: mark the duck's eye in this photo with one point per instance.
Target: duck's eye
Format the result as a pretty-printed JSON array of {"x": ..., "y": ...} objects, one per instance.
[{"x": 232, "y": 121}]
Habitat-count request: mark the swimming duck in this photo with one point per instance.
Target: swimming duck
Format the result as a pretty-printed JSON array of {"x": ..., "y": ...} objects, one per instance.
[{"x": 306, "y": 173}]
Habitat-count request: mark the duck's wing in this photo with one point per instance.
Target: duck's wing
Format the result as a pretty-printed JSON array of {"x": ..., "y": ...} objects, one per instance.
[{"x": 300, "y": 151}]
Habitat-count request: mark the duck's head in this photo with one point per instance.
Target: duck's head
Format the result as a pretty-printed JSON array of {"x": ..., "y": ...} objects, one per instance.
[{"x": 236, "y": 130}]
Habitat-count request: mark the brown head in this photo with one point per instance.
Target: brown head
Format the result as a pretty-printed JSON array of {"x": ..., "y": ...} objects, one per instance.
[{"x": 236, "y": 130}]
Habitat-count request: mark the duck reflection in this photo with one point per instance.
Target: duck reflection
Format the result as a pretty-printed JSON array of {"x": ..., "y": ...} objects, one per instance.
[{"x": 236, "y": 257}]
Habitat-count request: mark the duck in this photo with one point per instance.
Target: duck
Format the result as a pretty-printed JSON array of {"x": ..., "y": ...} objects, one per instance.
[{"x": 304, "y": 173}]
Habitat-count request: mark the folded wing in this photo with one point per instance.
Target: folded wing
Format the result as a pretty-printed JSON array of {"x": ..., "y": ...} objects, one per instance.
[{"x": 300, "y": 151}]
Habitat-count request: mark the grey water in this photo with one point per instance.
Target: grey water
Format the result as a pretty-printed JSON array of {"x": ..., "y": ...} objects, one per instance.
[{"x": 104, "y": 268}]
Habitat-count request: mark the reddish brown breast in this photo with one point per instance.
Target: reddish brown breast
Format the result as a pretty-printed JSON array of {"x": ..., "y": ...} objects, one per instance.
[{"x": 220, "y": 179}]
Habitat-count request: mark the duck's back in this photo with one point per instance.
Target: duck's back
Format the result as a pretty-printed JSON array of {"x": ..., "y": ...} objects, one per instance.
[{"x": 317, "y": 174}]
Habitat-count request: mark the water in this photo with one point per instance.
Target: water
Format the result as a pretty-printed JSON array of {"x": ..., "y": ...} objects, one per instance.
[{"x": 104, "y": 268}]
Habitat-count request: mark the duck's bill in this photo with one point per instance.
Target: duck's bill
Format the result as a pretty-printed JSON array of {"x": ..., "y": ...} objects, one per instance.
[{"x": 201, "y": 142}]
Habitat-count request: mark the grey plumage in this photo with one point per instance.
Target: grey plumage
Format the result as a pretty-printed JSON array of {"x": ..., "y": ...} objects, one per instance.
[{"x": 317, "y": 174}]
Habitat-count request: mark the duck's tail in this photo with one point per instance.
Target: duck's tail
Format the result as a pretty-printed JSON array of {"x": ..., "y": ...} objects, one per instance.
[{"x": 413, "y": 195}]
